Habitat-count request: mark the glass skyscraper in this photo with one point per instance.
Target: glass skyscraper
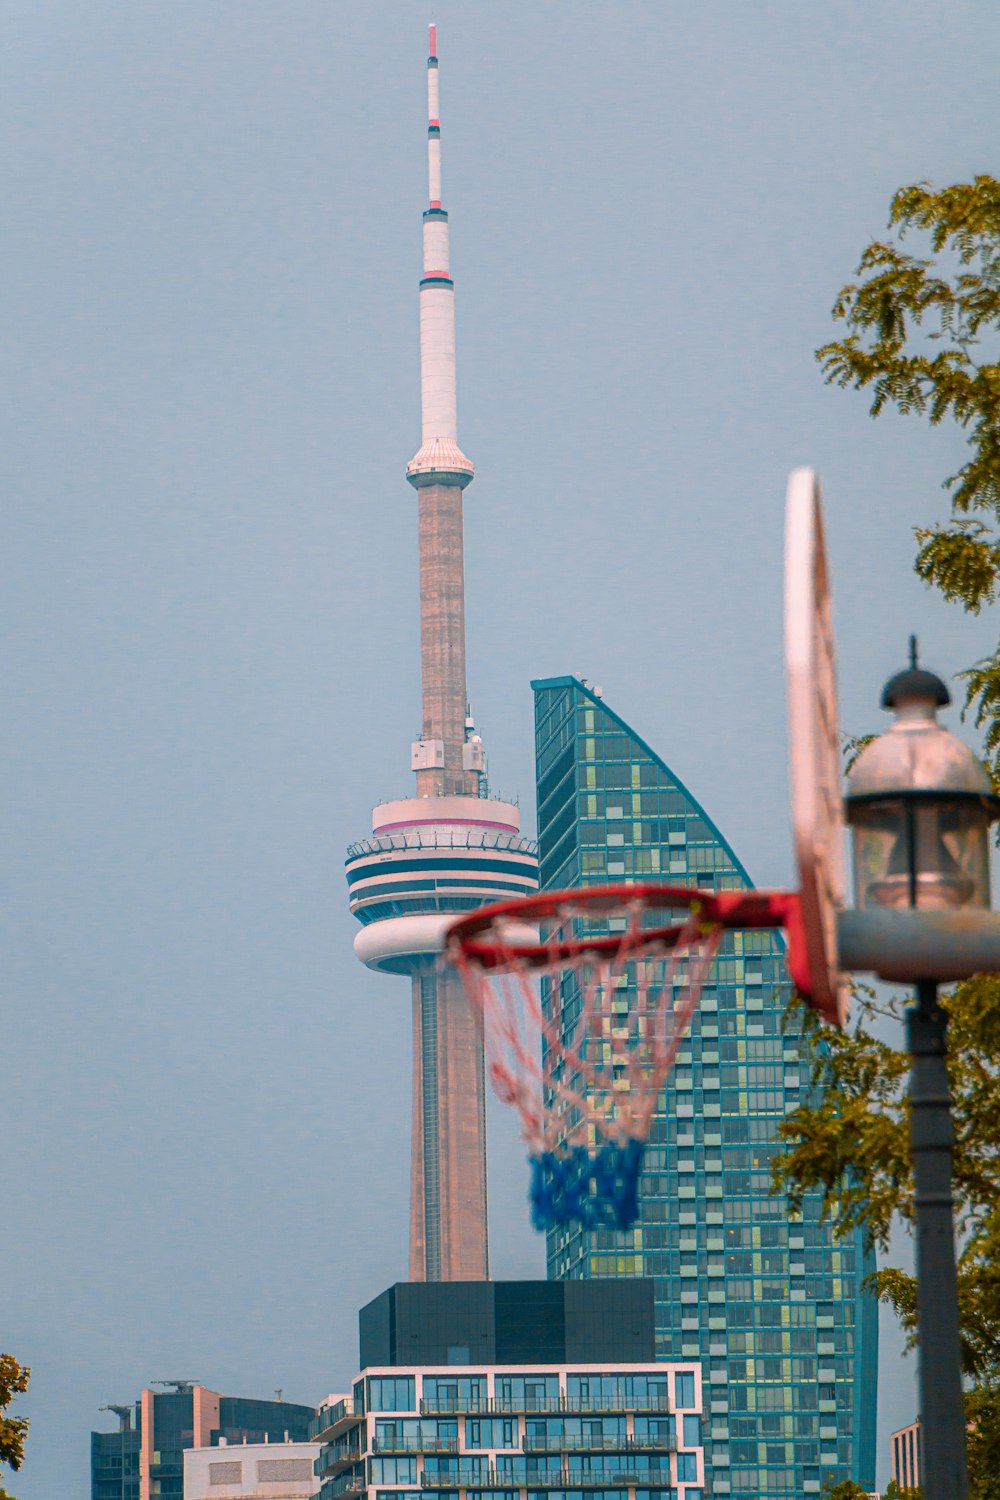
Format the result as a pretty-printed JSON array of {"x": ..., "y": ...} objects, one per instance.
[{"x": 772, "y": 1307}]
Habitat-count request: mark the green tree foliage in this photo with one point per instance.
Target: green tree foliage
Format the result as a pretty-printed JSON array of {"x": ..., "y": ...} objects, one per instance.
[
  {"x": 852, "y": 1146},
  {"x": 924, "y": 336},
  {"x": 847, "y": 1490},
  {"x": 13, "y": 1430}
]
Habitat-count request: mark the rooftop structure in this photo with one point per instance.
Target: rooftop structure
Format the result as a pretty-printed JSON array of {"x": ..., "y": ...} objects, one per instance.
[
  {"x": 530, "y": 1426},
  {"x": 114, "y": 1460},
  {"x": 772, "y": 1306},
  {"x": 509, "y": 1322},
  {"x": 451, "y": 847}
]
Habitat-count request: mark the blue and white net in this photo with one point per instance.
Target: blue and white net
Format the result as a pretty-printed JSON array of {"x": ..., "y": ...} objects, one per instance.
[{"x": 580, "y": 1039}]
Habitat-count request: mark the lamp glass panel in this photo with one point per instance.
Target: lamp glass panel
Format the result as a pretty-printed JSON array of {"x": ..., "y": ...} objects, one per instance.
[{"x": 933, "y": 855}]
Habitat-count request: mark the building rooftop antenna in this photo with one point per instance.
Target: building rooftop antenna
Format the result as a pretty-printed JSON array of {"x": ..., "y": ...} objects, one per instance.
[{"x": 124, "y": 1415}]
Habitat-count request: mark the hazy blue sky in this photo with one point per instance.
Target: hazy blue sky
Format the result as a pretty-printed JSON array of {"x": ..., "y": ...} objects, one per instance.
[{"x": 210, "y": 262}]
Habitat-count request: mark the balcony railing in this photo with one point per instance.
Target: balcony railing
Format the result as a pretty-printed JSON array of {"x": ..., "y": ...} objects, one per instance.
[
  {"x": 569, "y": 1442},
  {"x": 334, "y": 1457},
  {"x": 565, "y": 1478},
  {"x": 331, "y": 1416},
  {"x": 415, "y": 1445},
  {"x": 461, "y": 1476},
  {"x": 423, "y": 838},
  {"x": 346, "y": 1484},
  {"x": 511, "y": 1406}
]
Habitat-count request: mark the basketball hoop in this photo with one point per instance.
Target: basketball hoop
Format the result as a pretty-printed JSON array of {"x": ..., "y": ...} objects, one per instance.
[{"x": 582, "y": 1026}]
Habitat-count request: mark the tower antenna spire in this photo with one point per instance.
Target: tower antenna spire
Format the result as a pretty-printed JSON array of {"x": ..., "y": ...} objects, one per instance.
[{"x": 439, "y": 460}]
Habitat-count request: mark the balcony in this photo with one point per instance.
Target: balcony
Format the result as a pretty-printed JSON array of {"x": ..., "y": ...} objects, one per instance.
[
  {"x": 449, "y": 1405},
  {"x": 329, "y": 1421},
  {"x": 571, "y": 1477},
  {"x": 333, "y": 1458},
  {"x": 461, "y": 1477},
  {"x": 513, "y": 1406},
  {"x": 597, "y": 1443},
  {"x": 345, "y": 1484},
  {"x": 427, "y": 838},
  {"x": 415, "y": 1445}
]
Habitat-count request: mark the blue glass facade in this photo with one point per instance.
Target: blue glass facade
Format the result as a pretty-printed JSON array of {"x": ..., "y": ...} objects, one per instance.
[{"x": 772, "y": 1307}]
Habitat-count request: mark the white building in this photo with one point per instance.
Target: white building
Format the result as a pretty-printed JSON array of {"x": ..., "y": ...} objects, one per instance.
[
  {"x": 627, "y": 1431},
  {"x": 251, "y": 1471},
  {"x": 906, "y": 1456}
]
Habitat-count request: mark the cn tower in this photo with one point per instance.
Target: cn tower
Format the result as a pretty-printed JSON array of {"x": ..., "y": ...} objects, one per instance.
[{"x": 451, "y": 847}]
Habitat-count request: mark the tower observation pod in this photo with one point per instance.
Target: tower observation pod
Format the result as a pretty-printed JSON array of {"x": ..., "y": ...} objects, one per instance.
[{"x": 451, "y": 847}]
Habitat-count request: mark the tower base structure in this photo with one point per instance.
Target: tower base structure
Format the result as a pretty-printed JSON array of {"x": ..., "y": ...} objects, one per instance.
[{"x": 448, "y": 1211}]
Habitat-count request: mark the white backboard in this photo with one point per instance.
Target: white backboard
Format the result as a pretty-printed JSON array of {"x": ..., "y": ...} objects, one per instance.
[{"x": 814, "y": 740}]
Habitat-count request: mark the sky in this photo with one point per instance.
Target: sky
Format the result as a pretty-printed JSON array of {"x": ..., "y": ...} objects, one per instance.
[{"x": 209, "y": 265}]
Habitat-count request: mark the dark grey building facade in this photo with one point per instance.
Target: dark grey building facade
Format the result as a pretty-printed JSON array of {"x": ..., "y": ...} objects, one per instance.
[{"x": 509, "y": 1323}]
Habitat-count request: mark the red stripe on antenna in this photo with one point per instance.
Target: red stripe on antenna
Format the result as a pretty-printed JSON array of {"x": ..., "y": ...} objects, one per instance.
[{"x": 434, "y": 41}]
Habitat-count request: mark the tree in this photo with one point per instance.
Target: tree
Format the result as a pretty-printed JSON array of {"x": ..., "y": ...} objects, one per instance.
[
  {"x": 923, "y": 335},
  {"x": 846, "y": 1490},
  {"x": 13, "y": 1430},
  {"x": 851, "y": 1145}
]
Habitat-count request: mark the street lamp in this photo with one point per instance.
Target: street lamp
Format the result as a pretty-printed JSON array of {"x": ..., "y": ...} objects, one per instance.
[{"x": 919, "y": 805}]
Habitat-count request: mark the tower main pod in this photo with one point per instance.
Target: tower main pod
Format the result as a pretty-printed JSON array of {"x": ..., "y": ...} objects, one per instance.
[{"x": 452, "y": 847}]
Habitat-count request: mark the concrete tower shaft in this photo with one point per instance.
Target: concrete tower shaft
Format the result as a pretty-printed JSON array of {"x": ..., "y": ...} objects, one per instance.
[
  {"x": 442, "y": 645},
  {"x": 448, "y": 1220}
]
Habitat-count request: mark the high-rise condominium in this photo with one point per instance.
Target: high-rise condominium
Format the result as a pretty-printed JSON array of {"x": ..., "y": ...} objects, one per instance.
[{"x": 772, "y": 1306}]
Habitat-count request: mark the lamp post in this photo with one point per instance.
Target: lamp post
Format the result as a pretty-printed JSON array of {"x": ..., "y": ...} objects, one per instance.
[{"x": 919, "y": 805}]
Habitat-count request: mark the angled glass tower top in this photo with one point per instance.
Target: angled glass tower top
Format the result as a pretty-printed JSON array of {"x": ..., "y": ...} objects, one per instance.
[{"x": 772, "y": 1307}]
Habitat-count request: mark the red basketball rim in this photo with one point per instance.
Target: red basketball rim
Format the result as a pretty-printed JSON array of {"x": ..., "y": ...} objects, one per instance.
[{"x": 477, "y": 938}]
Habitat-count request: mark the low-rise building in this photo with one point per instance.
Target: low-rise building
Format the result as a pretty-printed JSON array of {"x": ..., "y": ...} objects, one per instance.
[
  {"x": 146, "y": 1457},
  {"x": 906, "y": 1454},
  {"x": 251, "y": 1471},
  {"x": 503, "y": 1412}
]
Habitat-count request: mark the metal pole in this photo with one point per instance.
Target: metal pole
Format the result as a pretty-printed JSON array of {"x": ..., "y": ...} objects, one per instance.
[{"x": 943, "y": 1473}]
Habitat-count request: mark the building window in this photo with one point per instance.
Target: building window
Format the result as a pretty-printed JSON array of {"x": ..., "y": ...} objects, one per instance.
[
  {"x": 452, "y": 1393},
  {"x": 394, "y": 1471},
  {"x": 527, "y": 1390},
  {"x": 687, "y": 1468},
  {"x": 684, "y": 1388},
  {"x": 391, "y": 1393},
  {"x": 624, "y": 1389},
  {"x": 490, "y": 1432},
  {"x": 412, "y": 1434},
  {"x": 655, "y": 1430}
]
